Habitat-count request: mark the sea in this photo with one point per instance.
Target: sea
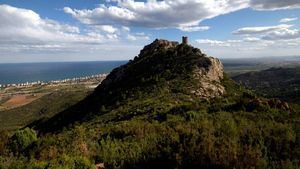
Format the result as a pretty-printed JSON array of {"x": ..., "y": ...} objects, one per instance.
[{"x": 15, "y": 73}]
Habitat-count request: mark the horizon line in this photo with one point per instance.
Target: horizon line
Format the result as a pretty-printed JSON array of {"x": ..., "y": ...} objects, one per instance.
[{"x": 74, "y": 61}]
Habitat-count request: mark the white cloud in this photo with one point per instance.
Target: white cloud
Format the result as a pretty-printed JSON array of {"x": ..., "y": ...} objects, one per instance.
[
  {"x": 112, "y": 37},
  {"x": 249, "y": 47},
  {"x": 256, "y": 41},
  {"x": 131, "y": 37},
  {"x": 157, "y": 14},
  {"x": 285, "y": 34},
  {"x": 234, "y": 41},
  {"x": 269, "y": 33},
  {"x": 125, "y": 28},
  {"x": 284, "y": 20},
  {"x": 26, "y": 37},
  {"x": 274, "y": 4},
  {"x": 248, "y": 42},
  {"x": 259, "y": 30},
  {"x": 24, "y": 32},
  {"x": 107, "y": 28},
  {"x": 170, "y": 13},
  {"x": 213, "y": 42},
  {"x": 23, "y": 29},
  {"x": 22, "y": 26},
  {"x": 251, "y": 39},
  {"x": 194, "y": 28},
  {"x": 137, "y": 36}
]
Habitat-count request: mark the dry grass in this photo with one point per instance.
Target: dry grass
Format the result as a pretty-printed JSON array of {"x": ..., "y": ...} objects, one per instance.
[{"x": 20, "y": 100}]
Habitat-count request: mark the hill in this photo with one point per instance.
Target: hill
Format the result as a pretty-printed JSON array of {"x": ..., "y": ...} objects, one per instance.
[
  {"x": 165, "y": 68},
  {"x": 170, "y": 107},
  {"x": 283, "y": 83}
]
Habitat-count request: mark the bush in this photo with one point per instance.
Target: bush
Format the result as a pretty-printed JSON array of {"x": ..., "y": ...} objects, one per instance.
[
  {"x": 67, "y": 162},
  {"x": 34, "y": 164},
  {"x": 82, "y": 163},
  {"x": 1, "y": 163},
  {"x": 22, "y": 139}
]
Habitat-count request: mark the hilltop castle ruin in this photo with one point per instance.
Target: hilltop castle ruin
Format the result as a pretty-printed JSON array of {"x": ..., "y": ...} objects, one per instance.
[{"x": 185, "y": 40}]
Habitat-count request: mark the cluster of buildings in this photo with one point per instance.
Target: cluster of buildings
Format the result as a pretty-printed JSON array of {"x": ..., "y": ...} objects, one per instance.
[
  {"x": 22, "y": 84},
  {"x": 54, "y": 82}
]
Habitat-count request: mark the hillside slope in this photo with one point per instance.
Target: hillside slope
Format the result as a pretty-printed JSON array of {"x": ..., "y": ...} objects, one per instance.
[
  {"x": 283, "y": 83},
  {"x": 171, "y": 107},
  {"x": 44, "y": 107}
]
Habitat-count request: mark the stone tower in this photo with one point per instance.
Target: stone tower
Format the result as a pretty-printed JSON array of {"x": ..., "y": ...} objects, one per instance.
[{"x": 185, "y": 40}]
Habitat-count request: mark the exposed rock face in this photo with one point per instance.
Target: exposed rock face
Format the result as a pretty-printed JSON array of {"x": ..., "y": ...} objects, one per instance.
[
  {"x": 272, "y": 103},
  {"x": 163, "y": 56},
  {"x": 209, "y": 79},
  {"x": 157, "y": 44}
]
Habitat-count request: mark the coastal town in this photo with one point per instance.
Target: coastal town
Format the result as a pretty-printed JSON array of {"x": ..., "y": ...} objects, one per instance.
[
  {"x": 16, "y": 95},
  {"x": 76, "y": 80}
]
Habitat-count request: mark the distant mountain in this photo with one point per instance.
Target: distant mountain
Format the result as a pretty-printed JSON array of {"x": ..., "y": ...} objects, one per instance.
[
  {"x": 283, "y": 83},
  {"x": 236, "y": 66},
  {"x": 170, "y": 107}
]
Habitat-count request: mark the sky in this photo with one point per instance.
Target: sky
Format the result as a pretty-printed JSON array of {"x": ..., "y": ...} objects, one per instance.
[{"x": 95, "y": 30}]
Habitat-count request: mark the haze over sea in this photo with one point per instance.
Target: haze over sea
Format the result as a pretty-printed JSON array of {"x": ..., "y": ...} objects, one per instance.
[{"x": 30, "y": 72}]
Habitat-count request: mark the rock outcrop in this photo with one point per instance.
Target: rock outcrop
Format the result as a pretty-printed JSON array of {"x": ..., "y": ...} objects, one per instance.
[
  {"x": 179, "y": 60},
  {"x": 209, "y": 79},
  {"x": 272, "y": 103}
]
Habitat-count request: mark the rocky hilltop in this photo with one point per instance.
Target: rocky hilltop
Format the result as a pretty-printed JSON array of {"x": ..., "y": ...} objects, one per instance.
[
  {"x": 168, "y": 60},
  {"x": 174, "y": 71}
]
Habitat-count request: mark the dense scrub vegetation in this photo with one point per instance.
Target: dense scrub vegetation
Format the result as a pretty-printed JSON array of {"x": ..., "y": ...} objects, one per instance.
[
  {"x": 181, "y": 133},
  {"x": 283, "y": 83},
  {"x": 153, "y": 121}
]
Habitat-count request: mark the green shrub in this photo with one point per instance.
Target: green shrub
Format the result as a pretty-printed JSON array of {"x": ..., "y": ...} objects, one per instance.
[
  {"x": 22, "y": 139},
  {"x": 67, "y": 162},
  {"x": 62, "y": 162},
  {"x": 82, "y": 163},
  {"x": 34, "y": 164}
]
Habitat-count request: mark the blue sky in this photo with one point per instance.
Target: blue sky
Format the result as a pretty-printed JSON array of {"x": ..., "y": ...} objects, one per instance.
[{"x": 81, "y": 30}]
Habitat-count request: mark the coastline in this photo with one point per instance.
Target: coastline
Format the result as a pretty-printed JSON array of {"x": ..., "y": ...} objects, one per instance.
[
  {"x": 17, "y": 95},
  {"x": 21, "y": 73},
  {"x": 75, "y": 80}
]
